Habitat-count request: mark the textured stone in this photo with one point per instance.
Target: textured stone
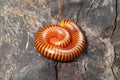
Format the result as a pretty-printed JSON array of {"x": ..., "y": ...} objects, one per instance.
[{"x": 21, "y": 19}]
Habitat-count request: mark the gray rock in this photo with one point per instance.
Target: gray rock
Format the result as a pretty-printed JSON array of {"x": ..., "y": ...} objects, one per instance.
[{"x": 21, "y": 19}]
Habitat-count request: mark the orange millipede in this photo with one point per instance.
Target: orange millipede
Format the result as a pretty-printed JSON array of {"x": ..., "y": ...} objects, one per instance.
[{"x": 62, "y": 42}]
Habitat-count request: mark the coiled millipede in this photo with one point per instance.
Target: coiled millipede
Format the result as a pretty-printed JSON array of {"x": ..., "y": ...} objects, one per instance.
[{"x": 63, "y": 42}]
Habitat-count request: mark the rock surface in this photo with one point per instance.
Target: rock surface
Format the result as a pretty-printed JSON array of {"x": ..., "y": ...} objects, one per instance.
[{"x": 21, "y": 19}]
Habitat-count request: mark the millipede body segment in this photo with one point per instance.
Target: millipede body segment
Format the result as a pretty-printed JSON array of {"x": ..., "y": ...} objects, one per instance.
[{"x": 62, "y": 42}]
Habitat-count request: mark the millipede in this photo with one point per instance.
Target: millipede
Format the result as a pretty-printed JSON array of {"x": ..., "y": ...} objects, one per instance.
[{"x": 61, "y": 42}]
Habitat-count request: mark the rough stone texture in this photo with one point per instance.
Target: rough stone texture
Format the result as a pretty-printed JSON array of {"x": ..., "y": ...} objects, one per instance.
[{"x": 21, "y": 19}]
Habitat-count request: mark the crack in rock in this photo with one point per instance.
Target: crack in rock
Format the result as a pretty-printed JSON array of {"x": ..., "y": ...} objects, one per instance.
[
  {"x": 56, "y": 69},
  {"x": 109, "y": 59},
  {"x": 84, "y": 63}
]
